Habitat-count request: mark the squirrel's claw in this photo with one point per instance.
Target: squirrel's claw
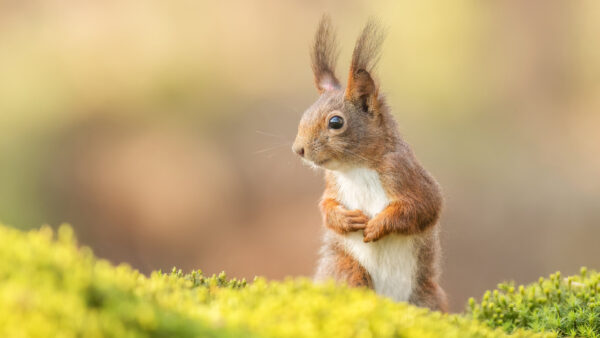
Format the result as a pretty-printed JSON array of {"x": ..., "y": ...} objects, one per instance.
[
  {"x": 372, "y": 233},
  {"x": 354, "y": 220}
]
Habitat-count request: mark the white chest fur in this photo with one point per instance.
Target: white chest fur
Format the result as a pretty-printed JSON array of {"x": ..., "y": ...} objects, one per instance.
[{"x": 391, "y": 261}]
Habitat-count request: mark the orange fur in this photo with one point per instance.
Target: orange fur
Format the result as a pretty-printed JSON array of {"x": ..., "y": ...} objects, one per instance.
[
  {"x": 340, "y": 220},
  {"x": 354, "y": 274}
]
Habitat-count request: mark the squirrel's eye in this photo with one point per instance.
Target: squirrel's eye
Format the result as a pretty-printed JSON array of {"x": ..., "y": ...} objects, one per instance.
[{"x": 336, "y": 122}]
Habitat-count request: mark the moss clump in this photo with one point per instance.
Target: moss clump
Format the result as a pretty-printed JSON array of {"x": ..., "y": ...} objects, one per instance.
[
  {"x": 566, "y": 306},
  {"x": 51, "y": 288}
]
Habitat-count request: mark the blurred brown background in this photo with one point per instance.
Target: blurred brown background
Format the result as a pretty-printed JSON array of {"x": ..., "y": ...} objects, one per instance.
[{"x": 161, "y": 130}]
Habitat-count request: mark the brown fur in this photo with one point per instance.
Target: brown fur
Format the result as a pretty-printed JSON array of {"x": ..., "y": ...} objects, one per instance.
[
  {"x": 361, "y": 87},
  {"x": 349, "y": 270},
  {"x": 336, "y": 263},
  {"x": 369, "y": 139},
  {"x": 324, "y": 56},
  {"x": 429, "y": 293}
]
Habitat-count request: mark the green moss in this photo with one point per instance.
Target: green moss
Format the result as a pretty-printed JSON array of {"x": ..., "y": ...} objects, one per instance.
[
  {"x": 566, "y": 306},
  {"x": 51, "y": 288}
]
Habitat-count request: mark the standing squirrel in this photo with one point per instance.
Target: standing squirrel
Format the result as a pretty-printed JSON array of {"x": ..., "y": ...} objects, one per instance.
[{"x": 380, "y": 206}]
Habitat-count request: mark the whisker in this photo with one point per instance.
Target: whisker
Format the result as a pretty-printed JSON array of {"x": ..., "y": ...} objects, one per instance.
[
  {"x": 271, "y": 148},
  {"x": 269, "y": 134}
]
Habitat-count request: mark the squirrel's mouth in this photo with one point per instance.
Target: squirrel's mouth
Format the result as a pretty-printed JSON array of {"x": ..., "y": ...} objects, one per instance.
[{"x": 316, "y": 164}]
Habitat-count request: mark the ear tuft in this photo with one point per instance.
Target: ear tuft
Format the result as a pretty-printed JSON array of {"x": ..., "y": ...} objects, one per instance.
[
  {"x": 324, "y": 56},
  {"x": 361, "y": 86}
]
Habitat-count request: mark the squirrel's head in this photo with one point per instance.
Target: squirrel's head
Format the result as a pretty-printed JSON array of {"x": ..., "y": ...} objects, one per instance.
[{"x": 345, "y": 127}]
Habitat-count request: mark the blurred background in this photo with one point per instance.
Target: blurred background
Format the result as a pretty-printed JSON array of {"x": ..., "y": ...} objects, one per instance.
[{"x": 162, "y": 130}]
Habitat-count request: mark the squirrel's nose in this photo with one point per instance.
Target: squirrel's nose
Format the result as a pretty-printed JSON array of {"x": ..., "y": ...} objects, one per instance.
[{"x": 299, "y": 151}]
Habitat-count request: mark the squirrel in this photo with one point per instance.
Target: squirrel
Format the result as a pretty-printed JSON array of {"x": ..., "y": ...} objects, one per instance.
[{"x": 380, "y": 207}]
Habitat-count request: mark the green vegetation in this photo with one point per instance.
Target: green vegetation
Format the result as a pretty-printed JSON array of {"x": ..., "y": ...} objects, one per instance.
[
  {"x": 51, "y": 288},
  {"x": 566, "y": 306}
]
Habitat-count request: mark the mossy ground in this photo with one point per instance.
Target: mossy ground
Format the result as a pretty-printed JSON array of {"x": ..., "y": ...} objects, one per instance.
[
  {"x": 50, "y": 287},
  {"x": 566, "y": 306}
]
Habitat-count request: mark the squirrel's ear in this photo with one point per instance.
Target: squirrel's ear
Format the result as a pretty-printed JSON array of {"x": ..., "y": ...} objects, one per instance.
[
  {"x": 362, "y": 89},
  {"x": 324, "y": 56}
]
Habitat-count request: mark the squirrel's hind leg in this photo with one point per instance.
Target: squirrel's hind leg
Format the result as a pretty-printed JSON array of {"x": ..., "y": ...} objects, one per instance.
[
  {"x": 430, "y": 294},
  {"x": 337, "y": 264}
]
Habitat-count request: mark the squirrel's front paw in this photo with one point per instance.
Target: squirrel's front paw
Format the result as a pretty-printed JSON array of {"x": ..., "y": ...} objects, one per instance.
[
  {"x": 373, "y": 232},
  {"x": 352, "y": 220}
]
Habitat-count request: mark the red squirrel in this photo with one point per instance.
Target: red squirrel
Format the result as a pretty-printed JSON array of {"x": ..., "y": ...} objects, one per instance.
[{"x": 380, "y": 206}]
